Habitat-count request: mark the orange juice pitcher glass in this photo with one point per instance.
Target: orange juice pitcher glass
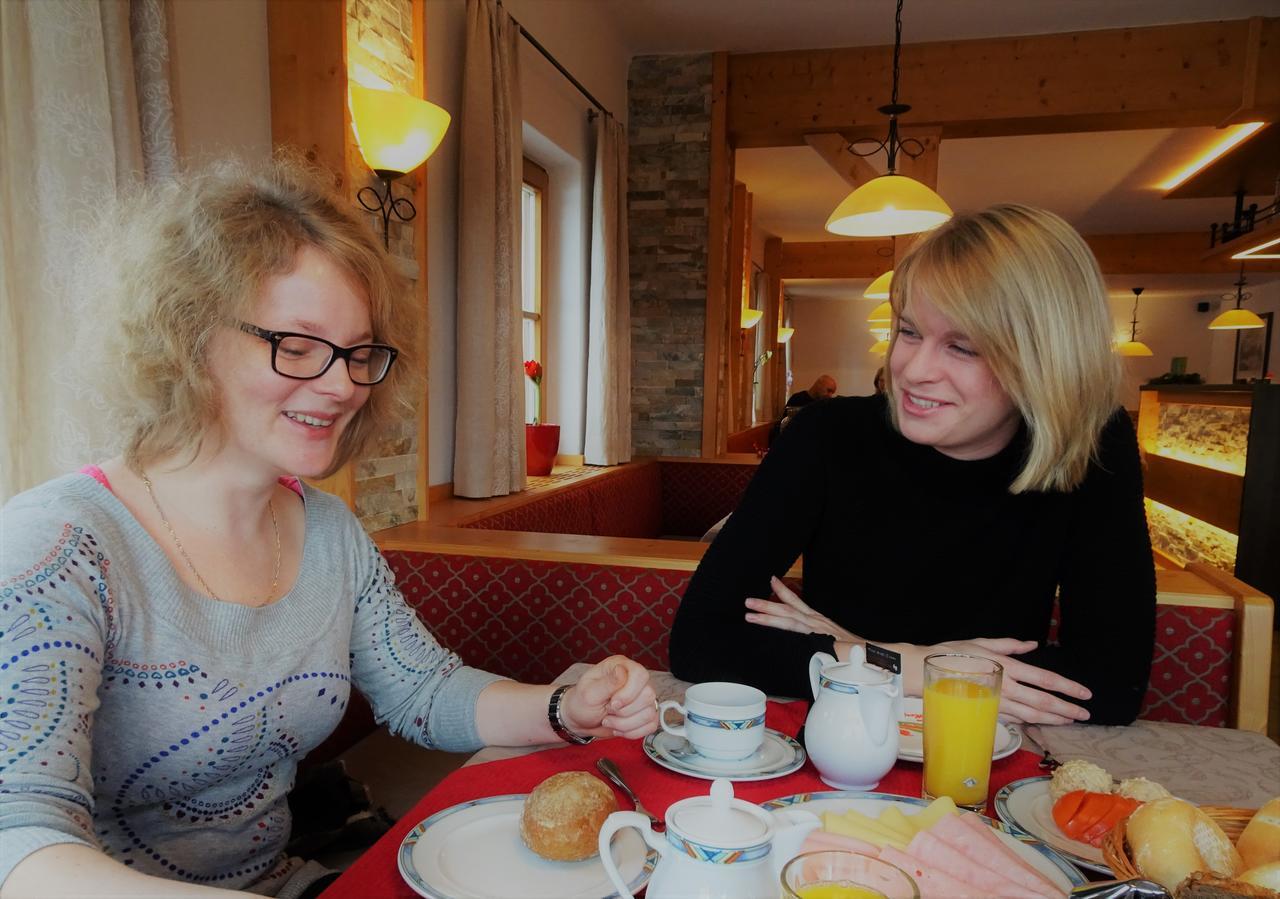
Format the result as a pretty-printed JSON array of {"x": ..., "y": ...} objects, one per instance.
[{"x": 961, "y": 699}]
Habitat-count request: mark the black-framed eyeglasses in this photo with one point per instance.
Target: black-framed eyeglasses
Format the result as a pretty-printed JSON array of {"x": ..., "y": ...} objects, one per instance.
[{"x": 304, "y": 357}]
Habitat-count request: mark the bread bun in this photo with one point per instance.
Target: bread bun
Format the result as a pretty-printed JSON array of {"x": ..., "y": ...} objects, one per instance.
[
  {"x": 1260, "y": 842},
  {"x": 1170, "y": 838},
  {"x": 1267, "y": 875},
  {"x": 563, "y": 816}
]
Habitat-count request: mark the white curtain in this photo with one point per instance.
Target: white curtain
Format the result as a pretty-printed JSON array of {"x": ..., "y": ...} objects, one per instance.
[
  {"x": 489, "y": 456},
  {"x": 608, "y": 432},
  {"x": 76, "y": 80}
]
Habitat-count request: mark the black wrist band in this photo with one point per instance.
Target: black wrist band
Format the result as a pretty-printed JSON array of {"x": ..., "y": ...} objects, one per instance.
[{"x": 557, "y": 724}]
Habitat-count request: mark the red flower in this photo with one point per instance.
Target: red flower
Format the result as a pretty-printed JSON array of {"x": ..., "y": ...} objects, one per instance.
[{"x": 533, "y": 368}]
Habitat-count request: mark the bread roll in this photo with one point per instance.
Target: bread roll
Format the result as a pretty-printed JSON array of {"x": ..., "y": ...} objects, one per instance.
[
  {"x": 563, "y": 816},
  {"x": 1202, "y": 885},
  {"x": 1267, "y": 875},
  {"x": 1170, "y": 839},
  {"x": 1260, "y": 842}
]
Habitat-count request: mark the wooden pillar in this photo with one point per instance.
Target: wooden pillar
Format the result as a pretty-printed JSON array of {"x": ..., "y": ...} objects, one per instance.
[
  {"x": 776, "y": 368},
  {"x": 718, "y": 350},
  {"x": 736, "y": 301}
]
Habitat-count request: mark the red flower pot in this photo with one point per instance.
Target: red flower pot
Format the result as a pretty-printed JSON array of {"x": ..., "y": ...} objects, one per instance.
[{"x": 541, "y": 442}]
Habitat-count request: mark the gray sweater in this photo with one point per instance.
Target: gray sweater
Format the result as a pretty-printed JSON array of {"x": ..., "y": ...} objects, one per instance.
[{"x": 164, "y": 727}]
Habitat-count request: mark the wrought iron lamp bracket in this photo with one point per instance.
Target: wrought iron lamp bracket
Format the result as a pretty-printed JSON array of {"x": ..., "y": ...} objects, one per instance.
[{"x": 386, "y": 204}]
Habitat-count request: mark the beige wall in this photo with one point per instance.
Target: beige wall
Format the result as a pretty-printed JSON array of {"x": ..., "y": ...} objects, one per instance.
[
  {"x": 831, "y": 339},
  {"x": 221, "y": 88}
]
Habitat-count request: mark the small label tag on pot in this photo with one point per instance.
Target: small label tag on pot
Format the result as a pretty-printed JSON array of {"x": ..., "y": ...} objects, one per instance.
[{"x": 884, "y": 658}]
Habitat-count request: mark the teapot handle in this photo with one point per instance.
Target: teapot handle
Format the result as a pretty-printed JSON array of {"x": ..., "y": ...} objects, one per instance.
[
  {"x": 614, "y": 823},
  {"x": 819, "y": 661}
]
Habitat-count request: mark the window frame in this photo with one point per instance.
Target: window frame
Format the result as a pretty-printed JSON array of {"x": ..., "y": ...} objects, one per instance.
[{"x": 536, "y": 178}]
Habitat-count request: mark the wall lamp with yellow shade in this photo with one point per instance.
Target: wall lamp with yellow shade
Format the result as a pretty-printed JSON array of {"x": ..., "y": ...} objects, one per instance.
[
  {"x": 785, "y": 334},
  {"x": 881, "y": 315},
  {"x": 396, "y": 133},
  {"x": 1237, "y": 319},
  {"x": 880, "y": 347},
  {"x": 751, "y": 318},
  {"x": 1133, "y": 346},
  {"x": 879, "y": 288}
]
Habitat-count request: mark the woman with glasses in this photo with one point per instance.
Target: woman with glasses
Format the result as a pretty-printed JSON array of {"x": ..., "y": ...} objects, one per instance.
[{"x": 182, "y": 623}]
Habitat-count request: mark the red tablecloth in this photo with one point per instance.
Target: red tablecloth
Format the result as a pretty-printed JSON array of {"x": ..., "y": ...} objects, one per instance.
[{"x": 375, "y": 873}]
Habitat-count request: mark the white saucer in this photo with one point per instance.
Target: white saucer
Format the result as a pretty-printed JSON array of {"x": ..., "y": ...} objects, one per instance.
[
  {"x": 473, "y": 850},
  {"x": 1026, "y": 806},
  {"x": 778, "y": 755},
  {"x": 911, "y": 740}
]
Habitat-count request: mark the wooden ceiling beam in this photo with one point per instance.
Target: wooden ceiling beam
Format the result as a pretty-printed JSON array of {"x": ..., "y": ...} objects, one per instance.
[
  {"x": 1118, "y": 254},
  {"x": 1164, "y": 76},
  {"x": 835, "y": 152}
]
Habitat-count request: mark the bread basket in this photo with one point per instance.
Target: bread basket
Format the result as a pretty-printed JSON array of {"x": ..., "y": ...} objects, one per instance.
[{"x": 1115, "y": 850}]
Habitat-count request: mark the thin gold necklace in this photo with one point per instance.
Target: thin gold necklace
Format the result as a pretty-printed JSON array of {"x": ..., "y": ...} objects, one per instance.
[{"x": 275, "y": 573}]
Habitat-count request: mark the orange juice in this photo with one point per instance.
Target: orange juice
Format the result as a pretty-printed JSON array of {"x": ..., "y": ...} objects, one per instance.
[
  {"x": 836, "y": 891},
  {"x": 959, "y": 732}
]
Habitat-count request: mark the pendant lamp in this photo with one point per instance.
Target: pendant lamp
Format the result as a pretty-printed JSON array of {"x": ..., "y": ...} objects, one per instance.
[
  {"x": 1133, "y": 346},
  {"x": 785, "y": 334},
  {"x": 891, "y": 204},
  {"x": 1237, "y": 319},
  {"x": 751, "y": 318},
  {"x": 881, "y": 315},
  {"x": 879, "y": 288}
]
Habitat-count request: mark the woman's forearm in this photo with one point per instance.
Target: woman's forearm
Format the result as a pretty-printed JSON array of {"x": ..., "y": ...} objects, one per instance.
[
  {"x": 76, "y": 870},
  {"x": 513, "y": 714}
]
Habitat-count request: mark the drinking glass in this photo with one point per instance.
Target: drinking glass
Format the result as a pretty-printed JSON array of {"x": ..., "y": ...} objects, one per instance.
[
  {"x": 838, "y": 874},
  {"x": 961, "y": 700}
]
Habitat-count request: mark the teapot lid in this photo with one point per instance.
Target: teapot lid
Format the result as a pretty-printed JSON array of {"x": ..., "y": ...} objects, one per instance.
[
  {"x": 856, "y": 670},
  {"x": 721, "y": 820}
]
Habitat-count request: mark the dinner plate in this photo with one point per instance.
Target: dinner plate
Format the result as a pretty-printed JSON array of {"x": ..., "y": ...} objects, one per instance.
[
  {"x": 1025, "y": 805},
  {"x": 473, "y": 850},
  {"x": 911, "y": 737},
  {"x": 777, "y": 755},
  {"x": 1042, "y": 857}
]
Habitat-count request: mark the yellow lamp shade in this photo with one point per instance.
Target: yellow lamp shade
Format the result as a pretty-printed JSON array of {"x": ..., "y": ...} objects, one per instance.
[
  {"x": 396, "y": 132},
  {"x": 1236, "y": 320},
  {"x": 888, "y": 205},
  {"x": 881, "y": 315},
  {"x": 880, "y": 347},
  {"x": 751, "y": 317},
  {"x": 879, "y": 288},
  {"x": 880, "y": 333},
  {"x": 1133, "y": 348},
  {"x": 785, "y": 334}
]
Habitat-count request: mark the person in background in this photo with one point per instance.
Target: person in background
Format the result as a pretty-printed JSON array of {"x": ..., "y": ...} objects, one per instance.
[
  {"x": 823, "y": 388},
  {"x": 188, "y": 619},
  {"x": 996, "y": 471},
  {"x": 878, "y": 381}
]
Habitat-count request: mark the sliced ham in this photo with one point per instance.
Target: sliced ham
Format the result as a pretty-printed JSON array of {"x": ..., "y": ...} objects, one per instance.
[
  {"x": 933, "y": 883},
  {"x": 818, "y": 840},
  {"x": 934, "y": 853},
  {"x": 999, "y": 855}
]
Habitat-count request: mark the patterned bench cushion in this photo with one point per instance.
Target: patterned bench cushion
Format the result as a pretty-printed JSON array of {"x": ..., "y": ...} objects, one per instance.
[{"x": 696, "y": 495}]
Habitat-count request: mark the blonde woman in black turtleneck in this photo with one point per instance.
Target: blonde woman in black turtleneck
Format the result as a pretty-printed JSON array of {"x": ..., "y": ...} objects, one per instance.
[{"x": 997, "y": 471}]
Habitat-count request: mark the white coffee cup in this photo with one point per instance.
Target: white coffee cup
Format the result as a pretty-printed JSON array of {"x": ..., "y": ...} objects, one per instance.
[{"x": 721, "y": 720}]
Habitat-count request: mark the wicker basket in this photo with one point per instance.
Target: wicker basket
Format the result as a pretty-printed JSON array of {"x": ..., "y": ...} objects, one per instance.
[{"x": 1115, "y": 851}]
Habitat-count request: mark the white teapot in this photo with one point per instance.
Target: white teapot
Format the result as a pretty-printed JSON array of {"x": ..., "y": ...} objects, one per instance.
[
  {"x": 851, "y": 733},
  {"x": 715, "y": 847}
]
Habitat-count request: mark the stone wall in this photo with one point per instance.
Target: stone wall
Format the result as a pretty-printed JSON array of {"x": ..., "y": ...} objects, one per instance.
[
  {"x": 1188, "y": 539},
  {"x": 380, "y": 53},
  {"x": 1212, "y": 436},
  {"x": 669, "y": 122}
]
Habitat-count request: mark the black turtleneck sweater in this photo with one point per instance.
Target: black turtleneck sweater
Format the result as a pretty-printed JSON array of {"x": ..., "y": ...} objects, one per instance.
[{"x": 904, "y": 544}]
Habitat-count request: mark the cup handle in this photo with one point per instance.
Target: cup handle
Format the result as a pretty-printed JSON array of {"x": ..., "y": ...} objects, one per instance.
[
  {"x": 614, "y": 823},
  {"x": 819, "y": 661},
  {"x": 662, "y": 718}
]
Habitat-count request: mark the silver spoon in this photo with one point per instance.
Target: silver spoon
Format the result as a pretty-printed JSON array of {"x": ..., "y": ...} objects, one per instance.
[{"x": 610, "y": 770}]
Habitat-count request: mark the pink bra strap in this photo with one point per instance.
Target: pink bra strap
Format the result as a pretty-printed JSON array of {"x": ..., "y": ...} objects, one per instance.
[{"x": 100, "y": 476}]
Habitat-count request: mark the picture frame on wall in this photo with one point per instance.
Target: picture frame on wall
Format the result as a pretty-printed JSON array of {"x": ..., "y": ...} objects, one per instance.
[{"x": 1253, "y": 351}]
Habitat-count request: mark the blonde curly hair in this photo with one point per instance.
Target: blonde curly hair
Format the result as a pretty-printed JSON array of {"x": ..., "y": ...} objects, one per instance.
[
  {"x": 1026, "y": 289},
  {"x": 180, "y": 259}
]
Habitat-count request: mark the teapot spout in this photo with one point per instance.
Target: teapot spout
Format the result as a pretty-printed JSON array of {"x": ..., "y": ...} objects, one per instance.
[{"x": 791, "y": 826}]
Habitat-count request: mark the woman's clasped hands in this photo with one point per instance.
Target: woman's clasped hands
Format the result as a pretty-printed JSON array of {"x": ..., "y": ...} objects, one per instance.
[
  {"x": 612, "y": 699},
  {"x": 1027, "y": 693}
]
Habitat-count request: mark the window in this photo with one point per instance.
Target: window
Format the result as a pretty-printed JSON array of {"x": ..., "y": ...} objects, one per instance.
[{"x": 533, "y": 216}]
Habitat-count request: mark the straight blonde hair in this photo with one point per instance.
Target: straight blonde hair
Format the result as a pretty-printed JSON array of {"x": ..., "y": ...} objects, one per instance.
[
  {"x": 180, "y": 259},
  {"x": 1026, "y": 289}
]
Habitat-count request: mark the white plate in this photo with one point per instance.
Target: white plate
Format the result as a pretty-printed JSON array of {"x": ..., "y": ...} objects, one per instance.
[
  {"x": 911, "y": 740},
  {"x": 1043, "y": 858},
  {"x": 777, "y": 755},
  {"x": 473, "y": 850},
  {"x": 1026, "y": 805}
]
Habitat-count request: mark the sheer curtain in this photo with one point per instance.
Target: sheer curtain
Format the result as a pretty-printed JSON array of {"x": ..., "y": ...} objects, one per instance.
[
  {"x": 489, "y": 456},
  {"x": 80, "y": 80},
  {"x": 608, "y": 430}
]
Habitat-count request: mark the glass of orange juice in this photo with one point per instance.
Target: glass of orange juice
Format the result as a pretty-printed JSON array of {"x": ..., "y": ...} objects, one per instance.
[
  {"x": 837, "y": 874},
  {"x": 961, "y": 699}
]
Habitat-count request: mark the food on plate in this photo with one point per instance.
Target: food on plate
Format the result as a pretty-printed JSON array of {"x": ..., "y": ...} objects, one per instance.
[
  {"x": 947, "y": 852},
  {"x": 1078, "y": 774},
  {"x": 1169, "y": 839},
  {"x": 1260, "y": 842},
  {"x": 1203, "y": 885},
  {"x": 1141, "y": 789},
  {"x": 1088, "y": 817},
  {"x": 563, "y": 816}
]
